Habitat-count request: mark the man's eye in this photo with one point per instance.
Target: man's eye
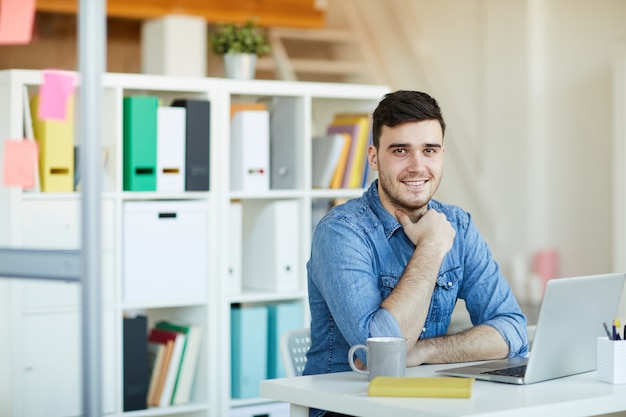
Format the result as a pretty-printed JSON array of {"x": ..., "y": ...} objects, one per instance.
[{"x": 399, "y": 151}]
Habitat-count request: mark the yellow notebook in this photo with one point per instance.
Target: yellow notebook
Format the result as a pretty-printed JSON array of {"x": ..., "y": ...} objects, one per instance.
[{"x": 436, "y": 387}]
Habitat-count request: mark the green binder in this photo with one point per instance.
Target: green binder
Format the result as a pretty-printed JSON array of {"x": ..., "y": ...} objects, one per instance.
[{"x": 140, "y": 143}]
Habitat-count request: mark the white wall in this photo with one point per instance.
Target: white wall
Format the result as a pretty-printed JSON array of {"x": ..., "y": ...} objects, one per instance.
[{"x": 525, "y": 86}]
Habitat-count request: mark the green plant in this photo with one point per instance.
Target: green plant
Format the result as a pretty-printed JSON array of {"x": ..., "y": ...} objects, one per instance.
[{"x": 247, "y": 38}]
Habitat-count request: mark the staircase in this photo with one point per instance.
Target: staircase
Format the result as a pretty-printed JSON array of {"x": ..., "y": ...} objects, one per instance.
[{"x": 330, "y": 54}]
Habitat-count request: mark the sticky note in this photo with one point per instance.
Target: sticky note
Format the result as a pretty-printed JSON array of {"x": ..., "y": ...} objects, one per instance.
[
  {"x": 20, "y": 163},
  {"x": 16, "y": 21},
  {"x": 57, "y": 88}
]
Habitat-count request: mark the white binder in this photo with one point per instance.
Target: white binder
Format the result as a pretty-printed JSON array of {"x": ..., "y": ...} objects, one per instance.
[
  {"x": 171, "y": 132},
  {"x": 249, "y": 160},
  {"x": 271, "y": 248}
]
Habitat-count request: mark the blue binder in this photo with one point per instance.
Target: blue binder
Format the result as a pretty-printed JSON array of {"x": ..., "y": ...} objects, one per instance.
[
  {"x": 248, "y": 350},
  {"x": 281, "y": 318}
]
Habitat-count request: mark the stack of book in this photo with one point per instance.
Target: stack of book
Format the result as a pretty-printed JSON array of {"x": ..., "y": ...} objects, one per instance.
[
  {"x": 173, "y": 353},
  {"x": 340, "y": 156}
]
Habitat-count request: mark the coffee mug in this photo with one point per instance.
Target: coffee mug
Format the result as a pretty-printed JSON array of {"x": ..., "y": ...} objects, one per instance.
[{"x": 385, "y": 356}]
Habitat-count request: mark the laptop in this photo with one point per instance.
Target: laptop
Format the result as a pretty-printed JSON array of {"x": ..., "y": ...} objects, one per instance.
[{"x": 570, "y": 321}]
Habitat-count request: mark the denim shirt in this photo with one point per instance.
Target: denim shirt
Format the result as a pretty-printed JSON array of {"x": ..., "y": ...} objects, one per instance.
[{"x": 359, "y": 252}]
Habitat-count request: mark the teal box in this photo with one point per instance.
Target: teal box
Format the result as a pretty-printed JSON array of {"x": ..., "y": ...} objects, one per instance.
[
  {"x": 248, "y": 350},
  {"x": 282, "y": 317},
  {"x": 140, "y": 143}
]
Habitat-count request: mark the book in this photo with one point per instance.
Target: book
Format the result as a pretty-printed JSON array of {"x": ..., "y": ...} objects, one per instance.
[
  {"x": 155, "y": 397},
  {"x": 326, "y": 151},
  {"x": 340, "y": 169},
  {"x": 155, "y": 365},
  {"x": 358, "y": 128},
  {"x": 174, "y": 361},
  {"x": 435, "y": 387},
  {"x": 189, "y": 359}
]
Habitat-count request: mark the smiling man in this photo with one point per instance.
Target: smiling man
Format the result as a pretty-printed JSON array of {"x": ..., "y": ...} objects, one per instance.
[{"x": 394, "y": 261}]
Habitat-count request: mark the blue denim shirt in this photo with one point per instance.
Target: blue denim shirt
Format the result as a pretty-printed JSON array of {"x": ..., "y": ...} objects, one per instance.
[{"x": 359, "y": 251}]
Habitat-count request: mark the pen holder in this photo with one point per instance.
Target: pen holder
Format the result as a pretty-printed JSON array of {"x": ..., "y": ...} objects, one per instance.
[{"x": 611, "y": 361}]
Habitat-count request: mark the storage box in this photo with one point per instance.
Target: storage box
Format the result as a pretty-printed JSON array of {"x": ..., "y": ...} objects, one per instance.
[
  {"x": 611, "y": 360},
  {"x": 265, "y": 410},
  {"x": 165, "y": 251}
]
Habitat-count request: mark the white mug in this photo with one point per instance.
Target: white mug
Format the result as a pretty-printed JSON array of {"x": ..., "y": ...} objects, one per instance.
[{"x": 386, "y": 356}]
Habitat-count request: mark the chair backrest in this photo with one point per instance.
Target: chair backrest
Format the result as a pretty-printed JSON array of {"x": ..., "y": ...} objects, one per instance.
[{"x": 294, "y": 345}]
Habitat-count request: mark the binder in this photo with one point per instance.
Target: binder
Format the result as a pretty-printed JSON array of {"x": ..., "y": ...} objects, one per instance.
[
  {"x": 56, "y": 148},
  {"x": 197, "y": 143},
  {"x": 285, "y": 120},
  {"x": 171, "y": 128},
  {"x": 281, "y": 318},
  {"x": 271, "y": 258},
  {"x": 248, "y": 350},
  {"x": 140, "y": 143},
  {"x": 136, "y": 378},
  {"x": 249, "y": 146},
  {"x": 327, "y": 151}
]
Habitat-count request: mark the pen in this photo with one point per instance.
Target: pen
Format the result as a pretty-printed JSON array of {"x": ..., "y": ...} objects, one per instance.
[
  {"x": 606, "y": 329},
  {"x": 617, "y": 326},
  {"x": 614, "y": 331}
]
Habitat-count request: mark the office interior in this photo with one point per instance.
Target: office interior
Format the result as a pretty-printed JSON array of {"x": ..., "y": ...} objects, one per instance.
[{"x": 529, "y": 90}]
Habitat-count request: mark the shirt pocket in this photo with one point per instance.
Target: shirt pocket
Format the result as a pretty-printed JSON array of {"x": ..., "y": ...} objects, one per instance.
[
  {"x": 387, "y": 283},
  {"x": 444, "y": 295}
]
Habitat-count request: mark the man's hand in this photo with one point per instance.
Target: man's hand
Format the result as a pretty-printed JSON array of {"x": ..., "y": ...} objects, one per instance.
[{"x": 433, "y": 227}]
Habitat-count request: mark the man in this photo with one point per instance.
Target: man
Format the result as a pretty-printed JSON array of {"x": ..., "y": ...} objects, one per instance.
[{"x": 394, "y": 261}]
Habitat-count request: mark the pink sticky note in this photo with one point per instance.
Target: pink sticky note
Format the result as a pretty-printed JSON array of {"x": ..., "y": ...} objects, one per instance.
[
  {"x": 16, "y": 21},
  {"x": 54, "y": 93},
  {"x": 20, "y": 162}
]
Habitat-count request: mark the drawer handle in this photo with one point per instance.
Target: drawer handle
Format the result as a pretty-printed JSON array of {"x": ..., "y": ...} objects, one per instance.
[{"x": 167, "y": 215}]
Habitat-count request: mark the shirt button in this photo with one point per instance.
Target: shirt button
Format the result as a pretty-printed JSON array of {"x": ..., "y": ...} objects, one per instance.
[
  {"x": 424, "y": 330},
  {"x": 449, "y": 283}
]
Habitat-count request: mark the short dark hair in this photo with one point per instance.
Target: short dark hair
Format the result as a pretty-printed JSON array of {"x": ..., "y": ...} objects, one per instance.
[{"x": 404, "y": 106}]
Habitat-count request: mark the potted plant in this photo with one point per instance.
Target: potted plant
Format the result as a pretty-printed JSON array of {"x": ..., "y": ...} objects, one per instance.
[{"x": 240, "y": 45}]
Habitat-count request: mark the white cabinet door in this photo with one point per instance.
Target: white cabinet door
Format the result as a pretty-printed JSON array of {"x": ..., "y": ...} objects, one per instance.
[{"x": 52, "y": 376}]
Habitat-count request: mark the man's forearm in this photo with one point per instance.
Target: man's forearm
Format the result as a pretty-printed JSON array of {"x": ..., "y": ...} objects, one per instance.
[
  {"x": 481, "y": 342},
  {"x": 408, "y": 303}
]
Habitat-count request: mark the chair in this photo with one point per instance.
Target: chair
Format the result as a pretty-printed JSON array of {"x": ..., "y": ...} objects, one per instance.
[{"x": 294, "y": 345}]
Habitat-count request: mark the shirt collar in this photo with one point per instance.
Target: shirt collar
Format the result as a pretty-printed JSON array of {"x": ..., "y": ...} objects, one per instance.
[{"x": 390, "y": 223}]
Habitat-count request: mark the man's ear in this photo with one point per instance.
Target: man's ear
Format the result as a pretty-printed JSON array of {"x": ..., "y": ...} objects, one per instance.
[{"x": 372, "y": 157}]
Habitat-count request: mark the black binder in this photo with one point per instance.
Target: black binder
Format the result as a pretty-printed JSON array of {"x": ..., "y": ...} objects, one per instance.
[
  {"x": 136, "y": 378},
  {"x": 197, "y": 143}
]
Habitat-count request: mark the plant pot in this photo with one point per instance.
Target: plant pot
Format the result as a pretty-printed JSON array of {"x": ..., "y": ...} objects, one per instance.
[{"x": 240, "y": 66}]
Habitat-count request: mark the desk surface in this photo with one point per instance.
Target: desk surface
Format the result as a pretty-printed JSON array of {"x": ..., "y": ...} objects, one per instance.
[{"x": 346, "y": 392}]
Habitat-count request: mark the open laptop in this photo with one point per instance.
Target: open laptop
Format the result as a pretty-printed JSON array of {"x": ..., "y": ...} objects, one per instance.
[{"x": 569, "y": 323}]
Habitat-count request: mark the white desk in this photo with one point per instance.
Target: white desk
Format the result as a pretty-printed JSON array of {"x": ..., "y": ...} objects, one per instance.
[{"x": 346, "y": 392}]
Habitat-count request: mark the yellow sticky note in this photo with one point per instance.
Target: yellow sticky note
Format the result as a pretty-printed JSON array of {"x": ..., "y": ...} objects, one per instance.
[{"x": 20, "y": 163}]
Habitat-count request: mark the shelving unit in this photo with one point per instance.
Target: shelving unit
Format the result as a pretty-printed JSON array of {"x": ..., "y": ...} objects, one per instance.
[{"x": 44, "y": 331}]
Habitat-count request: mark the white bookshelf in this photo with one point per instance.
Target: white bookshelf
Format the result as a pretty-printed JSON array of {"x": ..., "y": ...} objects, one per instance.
[{"x": 42, "y": 319}]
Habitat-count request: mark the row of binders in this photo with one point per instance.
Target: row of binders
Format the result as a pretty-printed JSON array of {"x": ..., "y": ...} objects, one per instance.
[
  {"x": 159, "y": 365},
  {"x": 166, "y": 148},
  {"x": 340, "y": 156},
  {"x": 255, "y": 343}
]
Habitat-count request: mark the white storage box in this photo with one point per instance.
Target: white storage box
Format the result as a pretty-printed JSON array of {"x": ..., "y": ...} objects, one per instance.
[
  {"x": 264, "y": 410},
  {"x": 165, "y": 251}
]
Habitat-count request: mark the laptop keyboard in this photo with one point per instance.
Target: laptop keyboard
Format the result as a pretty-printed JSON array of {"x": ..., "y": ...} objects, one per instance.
[{"x": 517, "y": 371}]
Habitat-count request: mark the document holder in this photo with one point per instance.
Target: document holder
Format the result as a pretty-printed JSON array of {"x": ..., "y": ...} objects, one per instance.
[
  {"x": 197, "y": 143},
  {"x": 140, "y": 143},
  {"x": 171, "y": 133},
  {"x": 56, "y": 149},
  {"x": 248, "y": 350}
]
